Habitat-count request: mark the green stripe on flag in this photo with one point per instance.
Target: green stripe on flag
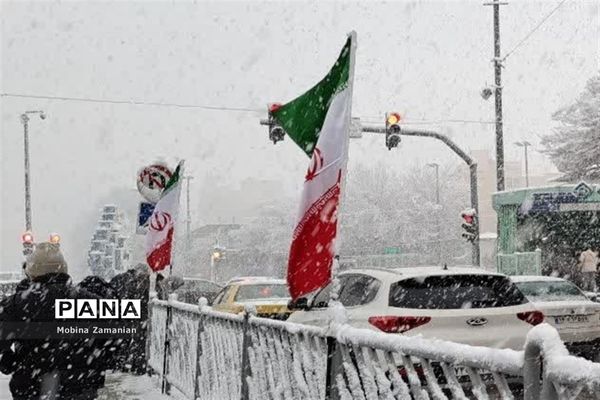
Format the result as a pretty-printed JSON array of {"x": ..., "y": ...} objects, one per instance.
[
  {"x": 303, "y": 117},
  {"x": 173, "y": 181}
]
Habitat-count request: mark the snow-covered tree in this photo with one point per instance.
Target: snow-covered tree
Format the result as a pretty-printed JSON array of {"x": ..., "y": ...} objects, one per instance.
[
  {"x": 574, "y": 146},
  {"x": 381, "y": 208},
  {"x": 385, "y": 208}
]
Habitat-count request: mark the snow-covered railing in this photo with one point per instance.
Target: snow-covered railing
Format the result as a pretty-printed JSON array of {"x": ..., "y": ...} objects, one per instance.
[
  {"x": 286, "y": 360},
  {"x": 377, "y": 365},
  {"x": 156, "y": 340},
  {"x": 213, "y": 355},
  {"x": 7, "y": 288},
  {"x": 563, "y": 376}
]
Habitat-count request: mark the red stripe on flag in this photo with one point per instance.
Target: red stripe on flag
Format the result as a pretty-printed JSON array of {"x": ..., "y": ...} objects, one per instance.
[
  {"x": 312, "y": 249},
  {"x": 160, "y": 256}
]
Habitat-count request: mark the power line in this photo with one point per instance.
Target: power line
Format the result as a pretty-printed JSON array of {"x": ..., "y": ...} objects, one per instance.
[
  {"x": 131, "y": 102},
  {"x": 534, "y": 29},
  {"x": 217, "y": 108}
]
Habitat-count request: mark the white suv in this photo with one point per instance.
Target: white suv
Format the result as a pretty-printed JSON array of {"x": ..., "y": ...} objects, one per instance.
[{"x": 463, "y": 305}]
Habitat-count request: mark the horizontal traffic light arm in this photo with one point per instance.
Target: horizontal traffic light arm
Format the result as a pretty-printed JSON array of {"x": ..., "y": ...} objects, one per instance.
[
  {"x": 413, "y": 132},
  {"x": 425, "y": 133}
]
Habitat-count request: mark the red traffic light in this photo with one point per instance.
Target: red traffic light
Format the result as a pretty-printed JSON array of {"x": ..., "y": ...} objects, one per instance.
[
  {"x": 27, "y": 238},
  {"x": 54, "y": 238},
  {"x": 274, "y": 107},
  {"x": 468, "y": 218}
]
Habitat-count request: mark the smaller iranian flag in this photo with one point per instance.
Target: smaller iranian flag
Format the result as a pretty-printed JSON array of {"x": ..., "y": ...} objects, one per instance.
[{"x": 161, "y": 226}]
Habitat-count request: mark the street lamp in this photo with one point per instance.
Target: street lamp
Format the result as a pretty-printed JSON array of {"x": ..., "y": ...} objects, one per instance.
[
  {"x": 437, "y": 201},
  {"x": 25, "y": 122},
  {"x": 525, "y": 144},
  {"x": 437, "y": 180},
  {"x": 216, "y": 255}
]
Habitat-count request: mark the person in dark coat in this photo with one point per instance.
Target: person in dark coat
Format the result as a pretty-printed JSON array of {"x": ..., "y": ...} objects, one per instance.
[
  {"x": 133, "y": 284},
  {"x": 98, "y": 286},
  {"x": 24, "y": 283},
  {"x": 45, "y": 366}
]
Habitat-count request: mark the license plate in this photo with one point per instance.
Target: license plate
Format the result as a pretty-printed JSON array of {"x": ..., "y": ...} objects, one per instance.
[{"x": 571, "y": 319}]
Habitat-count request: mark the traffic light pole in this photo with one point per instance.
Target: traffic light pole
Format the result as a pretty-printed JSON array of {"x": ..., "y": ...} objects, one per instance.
[{"x": 454, "y": 147}]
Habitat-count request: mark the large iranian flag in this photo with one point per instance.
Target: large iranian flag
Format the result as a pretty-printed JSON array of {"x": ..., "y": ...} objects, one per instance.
[
  {"x": 161, "y": 226},
  {"x": 318, "y": 121}
]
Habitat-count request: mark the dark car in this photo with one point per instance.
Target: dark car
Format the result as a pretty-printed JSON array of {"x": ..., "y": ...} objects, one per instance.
[{"x": 195, "y": 288}]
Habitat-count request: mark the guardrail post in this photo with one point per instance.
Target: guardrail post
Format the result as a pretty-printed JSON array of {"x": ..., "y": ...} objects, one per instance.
[
  {"x": 202, "y": 302},
  {"x": 152, "y": 296},
  {"x": 334, "y": 365},
  {"x": 166, "y": 386},
  {"x": 532, "y": 369},
  {"x": 548, "y": 390},
  {"x": 246, "y": 369}
]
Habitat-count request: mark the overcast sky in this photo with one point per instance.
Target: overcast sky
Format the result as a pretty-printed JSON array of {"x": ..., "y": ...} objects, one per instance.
[{"x": 426, "y": 59}]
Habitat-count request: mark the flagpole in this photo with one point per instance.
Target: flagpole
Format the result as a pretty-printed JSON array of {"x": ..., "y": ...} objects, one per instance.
[
  {"x": 335, "y": 286},
  {"x": 175, "y": 230}
]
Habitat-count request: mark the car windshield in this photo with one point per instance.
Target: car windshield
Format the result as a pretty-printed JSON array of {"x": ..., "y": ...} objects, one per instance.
[
  {"x": 551, "y": 291},
  {"x": 262, "y": 291},
  {"x": 455, "y": 292}
]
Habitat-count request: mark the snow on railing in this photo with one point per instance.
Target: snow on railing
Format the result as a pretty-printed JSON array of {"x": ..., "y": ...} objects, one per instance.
[
  {"x": 156, "y": 335},
  {"x": 215, "y": 355},
  {"x": 220, "y": 362},
  {"x": 183, "y": 346},
  {"x": 287, "y": 360},
  {"x": 7, "y": 288},
  {"x": 564, "y": 376},
  {"x": 379, "y": 365}
]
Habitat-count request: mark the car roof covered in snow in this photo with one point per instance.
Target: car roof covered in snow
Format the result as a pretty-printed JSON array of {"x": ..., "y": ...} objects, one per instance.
[
  {"x": 535, "y": 278},
  {"x": 412, "y": 272},
  {"x": 256, "y": 280}
]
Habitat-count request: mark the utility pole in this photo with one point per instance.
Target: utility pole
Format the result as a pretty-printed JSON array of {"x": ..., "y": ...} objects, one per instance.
[
  {"x": 25, "y": 122},
  {"x": 436, "y": 166},
  {"x": 498, "y": 95},
  {"x": 525, "y": 144}
]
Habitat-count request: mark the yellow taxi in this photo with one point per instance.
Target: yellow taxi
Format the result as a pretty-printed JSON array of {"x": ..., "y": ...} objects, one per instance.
[{"x": 268, "y": 296}]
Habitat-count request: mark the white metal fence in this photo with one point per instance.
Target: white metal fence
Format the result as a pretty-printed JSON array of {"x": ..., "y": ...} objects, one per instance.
[
  {"x": 210, "y": 355},
  {"x": 7, "y": 288}
]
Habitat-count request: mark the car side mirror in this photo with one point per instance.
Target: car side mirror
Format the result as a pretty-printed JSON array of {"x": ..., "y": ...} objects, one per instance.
[{"x": 300, "y": 304}]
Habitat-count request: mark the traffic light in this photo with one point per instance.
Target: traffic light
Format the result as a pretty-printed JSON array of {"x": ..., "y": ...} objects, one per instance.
[
  {"x": 54, "y": 238},
  {"x": 392, "y": 130},
  {"x": 27, "y": 240},
  {"x": 217, "y": 254},
  {"x": 276, "y": 132},
  {"x": 469, "y": 225}
]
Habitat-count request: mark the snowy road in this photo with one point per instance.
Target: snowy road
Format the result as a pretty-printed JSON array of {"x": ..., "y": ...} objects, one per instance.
[{"x": 118, "y": 387}]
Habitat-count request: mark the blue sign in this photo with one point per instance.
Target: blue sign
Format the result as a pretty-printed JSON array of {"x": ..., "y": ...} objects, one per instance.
[
  {"x": 550, "y": 202},
  {"x": 144, "y": 215}
]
